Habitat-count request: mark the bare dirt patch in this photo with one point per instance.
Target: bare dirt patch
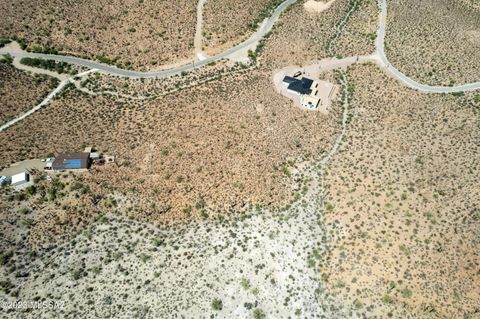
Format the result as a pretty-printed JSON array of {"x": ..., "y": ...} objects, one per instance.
[{"x": 317, "y": 6}]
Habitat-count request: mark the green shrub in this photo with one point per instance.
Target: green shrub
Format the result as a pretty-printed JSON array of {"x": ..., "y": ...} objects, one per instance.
[
  {"x": 217, "y": 304},
  {"x": 5, "y": 257},
  {"x": 259, "y": 314},
  {"x": 6, "y": 58},
  {"x": 30, "y": 190},
  {"x": 407, "y": 293},
  {"x": 4, "y": 41},
  {"x": 245, "y": 283},
  {"x": 59, "y": 67},
  {"x": 387, "y": 299},
  {"x": 23, "y": 210}
]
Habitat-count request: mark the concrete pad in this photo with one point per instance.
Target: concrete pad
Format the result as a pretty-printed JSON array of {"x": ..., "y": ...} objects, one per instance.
[{"x": 23, "y": 166}]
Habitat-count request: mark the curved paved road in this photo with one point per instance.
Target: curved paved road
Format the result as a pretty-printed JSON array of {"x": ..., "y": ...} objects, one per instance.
[
  {"x": 263, "y": 30},
  {"x": 380, "y": 46}
]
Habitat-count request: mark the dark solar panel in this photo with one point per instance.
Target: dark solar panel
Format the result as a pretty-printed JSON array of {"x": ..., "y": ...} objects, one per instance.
[{"x": 307, "y": 82}]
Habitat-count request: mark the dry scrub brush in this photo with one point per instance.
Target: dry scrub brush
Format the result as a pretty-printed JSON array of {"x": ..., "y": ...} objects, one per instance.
[
  {"x": 434, "y": 42},
  {"x": 142, "y": 34},
  {"x": 20, "y": 91},
  {"x": 403, "y": 193}
]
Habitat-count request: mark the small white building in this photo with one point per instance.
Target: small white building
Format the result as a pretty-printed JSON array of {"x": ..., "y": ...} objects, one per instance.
[
  {"x": 20, "y": 179},
  {"x": 94, "y": 155}
]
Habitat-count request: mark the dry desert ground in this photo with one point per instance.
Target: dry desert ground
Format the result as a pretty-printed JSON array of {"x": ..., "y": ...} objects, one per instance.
[
  {"x": 20, "y": 90},
  {"x": 227, "y": 200},
  {"x": 142, "y": 34},
  {"x": 435, "y": 42}
]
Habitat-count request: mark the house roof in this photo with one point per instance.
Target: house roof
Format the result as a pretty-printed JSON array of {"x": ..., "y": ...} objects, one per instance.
[
  {"x": 71, "y": 161},
  {"x": 299, "y": 87},
  {"x": 307, "y": 82},
  {"x": 289, "y": 79},
  {"x": 302, "y": 86}
]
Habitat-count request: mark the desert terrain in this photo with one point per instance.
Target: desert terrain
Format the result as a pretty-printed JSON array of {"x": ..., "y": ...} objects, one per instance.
[
  {"x": 403, "y": 194},
  {"x": 226, "y": 23},
  {"x": 226, "y": 199},
  {"x": 219, "y": 149},
  {"x": 19, "y": 91},
  {"x": 141, "y": 34},
  {"x": 435, "y": 42}
]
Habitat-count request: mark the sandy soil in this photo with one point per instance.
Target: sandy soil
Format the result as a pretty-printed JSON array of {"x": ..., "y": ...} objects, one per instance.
[
  {"x": 434, "y": 41},
  {"x": 139, "y": 34},
  {"x": 256, "y": 264},
  {"x": 23, "y": 166},
  {"x": 407, "y": 241},
  {"x": 317, "y": 6},
  {"x": 198, "y": 40}
]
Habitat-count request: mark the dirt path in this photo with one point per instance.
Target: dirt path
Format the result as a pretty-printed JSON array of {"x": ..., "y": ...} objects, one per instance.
[
  {"x": 52, "y": 94},
  {"x": 199, "y": 55},
  {"x": 324, "y": 163},
  {"x": 111, "y": 93}
]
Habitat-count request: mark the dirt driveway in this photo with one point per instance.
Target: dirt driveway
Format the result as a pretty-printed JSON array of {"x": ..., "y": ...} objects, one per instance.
[{"x": 22, "y": 167}]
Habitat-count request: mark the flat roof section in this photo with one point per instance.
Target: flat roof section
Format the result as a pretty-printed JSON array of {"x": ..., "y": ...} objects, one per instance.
[
  {"x": 20, "y": 178},
  {"x": 307, "y": 82}
]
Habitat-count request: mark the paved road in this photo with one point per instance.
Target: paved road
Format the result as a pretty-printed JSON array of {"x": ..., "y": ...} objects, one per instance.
[
  {"x": 380, "y": 47},
  {"x": 264, "y": 29}
]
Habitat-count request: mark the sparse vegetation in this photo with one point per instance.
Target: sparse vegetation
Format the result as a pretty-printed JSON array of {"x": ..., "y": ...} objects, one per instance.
[
  {"x": 217, "y": 304},
  {"x": 59, "y": 67},
  {"x": 367, "y": 211},
  {"x": 20, "y": 91},
  {"x": 435, "y": 42}
]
